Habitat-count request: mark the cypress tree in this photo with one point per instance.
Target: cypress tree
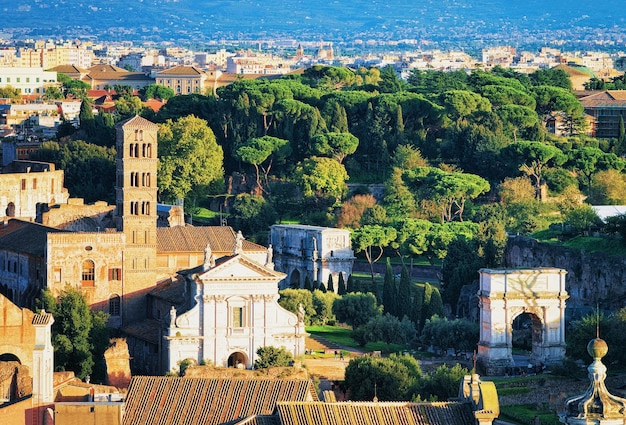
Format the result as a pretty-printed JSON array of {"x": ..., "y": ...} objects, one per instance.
[
  {"x": 322, "y": 287},
  {"x": 341, "y": 286},
  {"x": 404, "y": 294},
  {"x": 389, "y": 293},
  {"x": 315, "y": 285},
  {"x": 331, "y": 285},
  {"x": 621, "y": 136},
  {"x": 352, "y": 285},
  {"x": 417, "y": 302},
  {"x": 307, "y": 284}
]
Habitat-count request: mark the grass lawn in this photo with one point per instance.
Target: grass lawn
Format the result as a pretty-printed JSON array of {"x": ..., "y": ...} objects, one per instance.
[
  {"x": 610, "y": 245},
  {"x": 341, "y": 336},
  {"x": 525, "y": 414}
]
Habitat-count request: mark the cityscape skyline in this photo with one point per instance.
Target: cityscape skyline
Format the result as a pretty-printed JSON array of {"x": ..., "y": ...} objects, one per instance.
[{"x": 445, "y": 24}]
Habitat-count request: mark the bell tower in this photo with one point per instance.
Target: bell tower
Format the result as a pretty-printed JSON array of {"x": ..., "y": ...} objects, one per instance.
[{"x": 136, "y": 212}]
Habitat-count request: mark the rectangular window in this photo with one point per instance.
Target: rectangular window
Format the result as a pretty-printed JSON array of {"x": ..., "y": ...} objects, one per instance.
[
  {"x": 23, "y": 184},
  {"x": 57, "y": 274},
  {"x": 238, "y": 317},
  {"x": 28, "y": 79},
  {"x": 115, "y": 274},
  {"x": 34, "y": 183}
]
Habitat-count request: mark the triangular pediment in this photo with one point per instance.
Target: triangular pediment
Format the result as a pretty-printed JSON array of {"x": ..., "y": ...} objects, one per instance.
[{"x": 240, "y": 267}]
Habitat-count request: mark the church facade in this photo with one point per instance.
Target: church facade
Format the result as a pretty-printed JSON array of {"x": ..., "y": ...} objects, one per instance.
[
  {"x": 312, "y": 252},
  {"x": 234, "y": 312}
]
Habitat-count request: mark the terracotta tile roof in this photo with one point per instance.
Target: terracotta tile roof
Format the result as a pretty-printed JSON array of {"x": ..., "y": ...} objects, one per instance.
[
  {"x": 259, "y": 420},
  {"x": 180, "y": 71},
  {"x": 42, "y": 318},
  {"x": 112, "y": 75},
  {"x": 147, "y": 330},
  {"x": 26, "y": 237},
  {"x": 172, "y": 291},
  {"x": 380, "y": 413},
  {"x": 154, "y": 104},
  {"x": 221, "y": 239},
  {"x": 138, "y": 122},
  {"x": 607, "y": 98},
  {"x": 106, "y": 68},
  {"x": 198, "y": 401},
  {"x": 69, "y": 69}
]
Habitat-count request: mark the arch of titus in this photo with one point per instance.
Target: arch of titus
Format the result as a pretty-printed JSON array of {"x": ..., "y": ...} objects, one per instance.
[{"x": 505, "y": 295}]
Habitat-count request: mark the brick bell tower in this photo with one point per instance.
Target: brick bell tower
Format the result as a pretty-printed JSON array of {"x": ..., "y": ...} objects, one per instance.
[{"x": 136, "y": 210}]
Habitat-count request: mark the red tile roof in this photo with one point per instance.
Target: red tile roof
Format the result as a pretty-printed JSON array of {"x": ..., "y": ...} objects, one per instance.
[
  {"x": 26, "y": 237},
  {"x": 199, "y": 401},
  {"x": 379, "y": 413},
  {"x": 181, "y": 71},
  {"x": 221, "y": 239}
]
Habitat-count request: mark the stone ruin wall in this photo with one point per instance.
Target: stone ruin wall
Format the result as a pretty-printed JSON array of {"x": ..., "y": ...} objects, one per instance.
[{"x": 592, "y": 278}]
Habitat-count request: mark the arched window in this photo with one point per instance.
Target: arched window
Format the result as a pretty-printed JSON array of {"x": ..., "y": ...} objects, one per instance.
[
  {"x": 131, "y": 152},
  {"x": 149, "y": 150},
  {"x": 88, "y": 273},
  {"x": 114, "y": 305}
]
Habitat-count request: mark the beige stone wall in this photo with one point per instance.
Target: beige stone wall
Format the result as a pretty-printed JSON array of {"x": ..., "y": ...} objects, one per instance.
[
  {"x": 16, "y": 332},
  {"x": 21, "y": 192},
  {"x": 67, "y": 253},
  {"x": 76, "y": 216}
]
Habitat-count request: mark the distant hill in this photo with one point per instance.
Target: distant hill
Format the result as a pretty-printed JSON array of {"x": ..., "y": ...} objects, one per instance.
[{"x": 447, "y": 21}]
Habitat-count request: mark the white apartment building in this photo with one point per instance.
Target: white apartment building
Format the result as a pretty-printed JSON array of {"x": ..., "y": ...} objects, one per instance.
[{"x": 28, "y": 80}]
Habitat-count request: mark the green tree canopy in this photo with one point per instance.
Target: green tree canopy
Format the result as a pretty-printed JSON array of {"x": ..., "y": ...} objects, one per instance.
[
  {"x": 259, "y": 152},
  {"x": 89, "y": 169},
  {"x": 156, "y": 91},
  {"x": 392, "y": 378},
  {"x": 335, "y": 145},
  {"x": 532, "y": 158},
  {"x": 320, "y": 177},
  {"x": 356, "y": 309},
  {"x": 10, "y": 92},
  {"x": 371, "y": 240},
  {"x": 270, "y": 356},
  {"x": 75, "y": 331},
  {"x": 189, "y": 157}
]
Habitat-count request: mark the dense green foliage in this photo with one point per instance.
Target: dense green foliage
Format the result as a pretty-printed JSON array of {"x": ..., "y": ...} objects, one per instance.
[
  {"x": 272, "y": 357},
  {"x": 396, "y": 378},
  {"x": 79, "y": 336},
  {"x": 456, "y": 153}
]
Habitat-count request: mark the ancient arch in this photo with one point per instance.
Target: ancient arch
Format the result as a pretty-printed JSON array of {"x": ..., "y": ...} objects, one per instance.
[
  {"x": 506, "y": 294},
  {"x": 10, "y": 211},
  {"x": 238, "y": 360},
  {"x": 294, "y": 279}
]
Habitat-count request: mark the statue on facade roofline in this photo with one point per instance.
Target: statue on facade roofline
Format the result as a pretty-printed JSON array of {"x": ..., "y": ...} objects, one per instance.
[{"x": 239, "y": 243}]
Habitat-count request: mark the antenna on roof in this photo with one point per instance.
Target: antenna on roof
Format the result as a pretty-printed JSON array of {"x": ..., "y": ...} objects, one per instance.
[
  {"x": 474, "y": 360},
  {"x": 375, "y": 396},
  {"x": 597, "y": 320}
]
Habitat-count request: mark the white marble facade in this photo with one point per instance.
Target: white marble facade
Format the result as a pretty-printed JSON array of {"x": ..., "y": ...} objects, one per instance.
[
  {"x": 505, "y": 295},
  {"x": 313, "y": 251},
  {"x": 236, "y": 312}
]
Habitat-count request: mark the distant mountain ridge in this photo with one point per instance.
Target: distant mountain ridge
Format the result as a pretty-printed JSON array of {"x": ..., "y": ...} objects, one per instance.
[{"x": 201, "y": 20}]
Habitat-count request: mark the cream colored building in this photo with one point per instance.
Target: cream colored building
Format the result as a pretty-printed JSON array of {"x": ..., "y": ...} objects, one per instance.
[
  {"x": 183, "y": 79},
  {"x": 28, "y": 187},
  {"x": 29, "y": 80},
  {"x": 234, "y": 312}
]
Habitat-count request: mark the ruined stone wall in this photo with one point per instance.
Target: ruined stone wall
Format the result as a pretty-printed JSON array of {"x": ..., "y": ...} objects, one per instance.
[
  {"x": 22, "y": 193},
  {"x": 591, "y": 277}
]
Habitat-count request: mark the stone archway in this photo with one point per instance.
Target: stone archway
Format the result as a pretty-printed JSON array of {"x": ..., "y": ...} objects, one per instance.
[
  {"x": 238, "y": 360},
  {"x": 10, "y": 211},
  {"x": 294, "y": 279},
  {"x": 506, "y": 294}
]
